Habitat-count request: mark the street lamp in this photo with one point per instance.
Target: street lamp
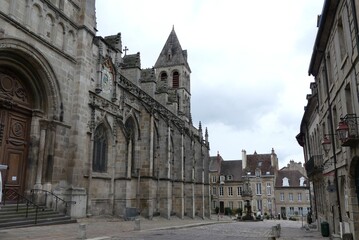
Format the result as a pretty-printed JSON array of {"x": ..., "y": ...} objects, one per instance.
[
  {"x": 343, "y": 130},
  {"x": 326, "y": 143}
]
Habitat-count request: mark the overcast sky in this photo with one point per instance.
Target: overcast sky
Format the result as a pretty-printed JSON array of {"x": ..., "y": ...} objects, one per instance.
[{"x": 249, "y": 62}]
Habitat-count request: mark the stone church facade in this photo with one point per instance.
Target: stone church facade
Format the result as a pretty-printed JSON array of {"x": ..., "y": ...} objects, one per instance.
[{"x": 81, "y": 119}]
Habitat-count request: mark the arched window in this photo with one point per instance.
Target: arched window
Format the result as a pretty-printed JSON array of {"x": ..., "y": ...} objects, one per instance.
[
  {"x": 49, "y": 24},
  {"x": 130, "y": 133},
  {"x": 163, "y": 76},
  {"x": 99, "y": 163},
  {"x": 175, "y": 80}
]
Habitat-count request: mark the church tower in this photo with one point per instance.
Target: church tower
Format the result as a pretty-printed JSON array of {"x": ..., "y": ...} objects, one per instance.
[{"x": 173, "y": 78}]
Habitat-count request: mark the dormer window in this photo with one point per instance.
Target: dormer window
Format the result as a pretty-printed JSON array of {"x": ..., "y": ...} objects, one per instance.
[
  {"x": 258, "y": 173},
  {"x": 221, "y": 179},
  {"x": 285, "y": 182},
  {"x": 301, "y": 182},
  {"x": 229, "y": 177}
]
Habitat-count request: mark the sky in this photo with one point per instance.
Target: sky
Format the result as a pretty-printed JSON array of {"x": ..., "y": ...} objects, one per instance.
[{"x": 249, "y": 62}]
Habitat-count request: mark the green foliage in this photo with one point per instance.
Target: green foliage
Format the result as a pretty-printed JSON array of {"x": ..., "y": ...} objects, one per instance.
[
  {"x": 227, "y": 211},
  {"x": 217, "y": 210}
]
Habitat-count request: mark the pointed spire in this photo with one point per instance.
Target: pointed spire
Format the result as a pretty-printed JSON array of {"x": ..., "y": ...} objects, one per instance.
[{"x": 172, "y": 53}]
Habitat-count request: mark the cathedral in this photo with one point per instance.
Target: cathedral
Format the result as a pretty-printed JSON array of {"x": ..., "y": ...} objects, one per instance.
[{"x": 80, "y": 118}]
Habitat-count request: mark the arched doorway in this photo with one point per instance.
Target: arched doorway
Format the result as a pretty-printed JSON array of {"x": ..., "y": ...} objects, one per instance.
[
  {"x": 15, "y": 119},
  {"x": 29, "y": 102}
]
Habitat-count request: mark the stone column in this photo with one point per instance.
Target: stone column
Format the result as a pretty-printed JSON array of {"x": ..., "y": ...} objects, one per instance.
[
  {"x": 12, "y": 8},
  {"x": 27, "y": 14},
  {"x": 151, "y": 145},
  {"x": 40, "y": 161},
  {"x": 129, "y": 158}
]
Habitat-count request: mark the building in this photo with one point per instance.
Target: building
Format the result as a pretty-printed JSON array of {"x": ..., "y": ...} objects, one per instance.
[
  {"x": 329, "y": 128},
  {"x": 83, "y": 120},
  {"x": 230, "y": 186},
  {"x": 260, "y": 170},
  {"x": 292, "y": 192},
  {"x": 235, "y": 183},
  {"x": 214, "y": 174}
]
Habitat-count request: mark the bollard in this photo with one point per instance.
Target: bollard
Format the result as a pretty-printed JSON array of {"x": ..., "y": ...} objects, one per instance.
[
  {"x": 137, "y": 225},
  {"x": 82, "y": 231},
  {"x": 278, "y": 229}
]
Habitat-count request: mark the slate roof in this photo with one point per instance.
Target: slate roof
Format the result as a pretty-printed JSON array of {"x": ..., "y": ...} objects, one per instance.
[
  {"x": 114, "y": 41},
  {"x": 172, "y": 47},
  {"x": 259, "y": 161},
  {"x": 131, "y": 61},
  {"x": 293, "y": 178},
  {"x": 215, "y": 163},
  {"x": 233, "y": 168}
]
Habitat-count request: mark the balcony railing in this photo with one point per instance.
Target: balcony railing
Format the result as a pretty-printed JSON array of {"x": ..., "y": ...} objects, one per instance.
[
  {"x": 314, "y": 165},
  {"x": 350, "y": 136}
]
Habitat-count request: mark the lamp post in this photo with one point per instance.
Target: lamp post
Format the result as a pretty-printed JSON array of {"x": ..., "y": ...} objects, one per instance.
[{"x": 343, "y": 130}]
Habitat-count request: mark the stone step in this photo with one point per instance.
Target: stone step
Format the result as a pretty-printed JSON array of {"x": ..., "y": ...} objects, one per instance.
[{"x": 12, "y": 216}]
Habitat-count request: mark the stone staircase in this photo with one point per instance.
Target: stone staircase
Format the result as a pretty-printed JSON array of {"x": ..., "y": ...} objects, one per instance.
[{"x": 13, "y": 216}]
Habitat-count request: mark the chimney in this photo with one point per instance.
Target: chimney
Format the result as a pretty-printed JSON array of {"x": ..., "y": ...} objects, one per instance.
[
  {"x": 244, "y": 159},
  {"x": 274, "y": 159}
]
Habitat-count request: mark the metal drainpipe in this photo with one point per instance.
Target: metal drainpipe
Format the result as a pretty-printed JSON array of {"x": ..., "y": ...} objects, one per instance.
[
  {"x": 356, "y": 29},
  {"x": 332, "y": 140}
]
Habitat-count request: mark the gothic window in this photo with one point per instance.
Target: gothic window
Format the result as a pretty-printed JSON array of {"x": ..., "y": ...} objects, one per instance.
[
  {"x": 163, "y": 76},
  {"x": 107, "y": 79},
  {"x": 175, "y": 80},
  {"x": 100, "y": 150},
  {"x": 130, "y": 131}
]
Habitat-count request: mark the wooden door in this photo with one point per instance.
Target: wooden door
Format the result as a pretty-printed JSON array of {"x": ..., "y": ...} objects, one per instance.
[
  {"x": 14, "y": 149},
  {"x": 15, "y": 119}
]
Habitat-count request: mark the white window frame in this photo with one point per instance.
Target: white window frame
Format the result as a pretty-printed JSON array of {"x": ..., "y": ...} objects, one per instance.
[
  {"x": 290, "y": 197},
  {"x": 230, "y": 191},
  {"x": 214, "y": 178},
  {"x": 221, "y": 193},
  {"x": 258, "y": 188},
  {"x": 239, "y": 191},
  {"x": 269, "y": 189},
  {"x": 300, "y": 197}
]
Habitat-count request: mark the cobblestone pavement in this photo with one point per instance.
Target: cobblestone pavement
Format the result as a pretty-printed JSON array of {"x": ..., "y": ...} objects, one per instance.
[{"x": 104, "y": 228}]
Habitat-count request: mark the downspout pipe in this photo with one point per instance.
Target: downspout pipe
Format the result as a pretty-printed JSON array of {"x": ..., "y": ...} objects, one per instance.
[
  {"x": 356, "y": 29},
  {"x": 332, "y": 134}
]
